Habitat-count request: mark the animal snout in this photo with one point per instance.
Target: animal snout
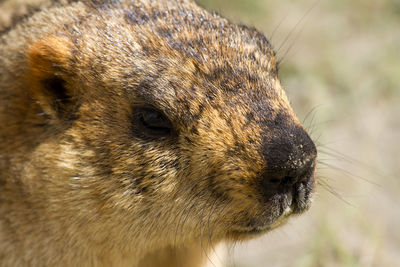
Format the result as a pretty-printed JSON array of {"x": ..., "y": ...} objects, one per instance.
[
  {"x": 290, "y": 162},
  {"x": 288, "y": 175}
]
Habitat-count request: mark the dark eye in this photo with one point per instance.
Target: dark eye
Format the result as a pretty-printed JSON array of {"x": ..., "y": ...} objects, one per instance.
[{"x": 152, "y": 122}]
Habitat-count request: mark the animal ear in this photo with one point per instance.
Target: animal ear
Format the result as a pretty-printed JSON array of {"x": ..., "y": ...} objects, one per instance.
[{"x": 48, "y": 76}]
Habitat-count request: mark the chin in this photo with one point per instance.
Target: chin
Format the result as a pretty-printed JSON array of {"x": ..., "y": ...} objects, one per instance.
[{"x": 275, "y": 213}]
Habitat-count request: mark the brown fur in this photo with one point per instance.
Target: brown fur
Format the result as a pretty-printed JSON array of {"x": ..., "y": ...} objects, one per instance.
[{"x": 79, "y": 185}]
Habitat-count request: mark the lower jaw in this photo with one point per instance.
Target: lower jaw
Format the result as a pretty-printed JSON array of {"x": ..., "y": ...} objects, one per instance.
[
  {"x": 294, "y": 209},
  {"x": 249, "y": 233}
]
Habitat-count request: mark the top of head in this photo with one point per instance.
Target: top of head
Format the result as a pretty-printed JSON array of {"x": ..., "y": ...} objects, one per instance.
[{"x": 128, "y": 111}]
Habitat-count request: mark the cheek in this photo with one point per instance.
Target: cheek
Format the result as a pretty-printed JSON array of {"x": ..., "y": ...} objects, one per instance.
[{"x": 148, "y": 169}]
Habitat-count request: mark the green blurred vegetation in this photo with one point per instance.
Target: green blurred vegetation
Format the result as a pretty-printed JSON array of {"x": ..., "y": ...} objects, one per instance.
[{"x": 340, "y": 64}]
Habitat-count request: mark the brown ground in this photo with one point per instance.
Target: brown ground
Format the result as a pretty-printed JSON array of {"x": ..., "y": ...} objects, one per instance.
[{"x": 344, "y": 67}]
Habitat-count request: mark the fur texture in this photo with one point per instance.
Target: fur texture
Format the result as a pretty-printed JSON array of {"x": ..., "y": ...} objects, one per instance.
[{"x": 82, "y": 185}]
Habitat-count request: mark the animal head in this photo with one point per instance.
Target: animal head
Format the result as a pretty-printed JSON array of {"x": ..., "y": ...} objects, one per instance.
[{"x": 162, "y": 123}]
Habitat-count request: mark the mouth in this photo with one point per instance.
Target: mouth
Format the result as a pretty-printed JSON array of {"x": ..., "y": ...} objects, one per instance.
[
  {"x": 256, "y": 230},
  {"x": 287, "y": 203},
  {"x": 302, "y": 195}
]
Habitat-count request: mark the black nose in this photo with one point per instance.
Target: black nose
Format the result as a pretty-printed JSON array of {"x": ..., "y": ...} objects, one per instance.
[
  {"x": 290, "y": 158},
  {"x": 289, "y": 174}
]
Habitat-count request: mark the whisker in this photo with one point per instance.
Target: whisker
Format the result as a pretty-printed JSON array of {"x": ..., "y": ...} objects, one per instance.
[
  {"x": 331, "y": 190},
  {"x": 312, "y": 111},
  {"x": 296, "y": 26},
  {"x": 296, "y": 37},
  {"x": 218, "y": 222},
  {"x": 277, "y": 27},
  {"x": 194, "y": 199},
  {"x": 231, "y": 252},
  {"x": 311, "y": 125},
  {"x": 341, "y": 156},
  {"x": 213, "y": 207},
  {"x": 349, "y": 174},
  {"x": 201, "y": 231}
]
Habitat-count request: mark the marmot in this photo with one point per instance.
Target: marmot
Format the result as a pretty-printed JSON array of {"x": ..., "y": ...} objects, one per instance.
[{"x": 141, "y": 133}]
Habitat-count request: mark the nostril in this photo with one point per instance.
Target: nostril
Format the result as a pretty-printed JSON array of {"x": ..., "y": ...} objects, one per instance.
[
  {"x": 288, "y": 180},
  {"x": 275, "y": 181},
  {"x": 287, "y": 177},
  {"x": 304, "y": 168}
]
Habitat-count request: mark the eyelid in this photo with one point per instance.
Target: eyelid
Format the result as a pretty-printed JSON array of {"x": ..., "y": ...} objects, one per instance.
[{"x": 152, "y": 122}]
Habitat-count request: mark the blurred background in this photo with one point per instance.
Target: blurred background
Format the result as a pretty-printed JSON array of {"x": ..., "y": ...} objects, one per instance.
[{"x": 341, "y": 70}]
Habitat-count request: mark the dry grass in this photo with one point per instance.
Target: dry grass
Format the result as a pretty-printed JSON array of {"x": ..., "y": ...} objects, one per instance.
[{"x": 341, "y": 62}]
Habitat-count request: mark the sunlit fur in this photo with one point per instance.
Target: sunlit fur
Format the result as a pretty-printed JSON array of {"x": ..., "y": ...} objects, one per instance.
[{"x": 78, "y": 187}]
